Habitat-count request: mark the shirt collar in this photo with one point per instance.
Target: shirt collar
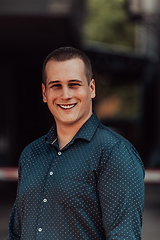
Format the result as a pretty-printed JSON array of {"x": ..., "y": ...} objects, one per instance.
[
  {"x": 88, "y": 129},
  {"x": 51, "y": 136},
  {"x": 86, "y": 132}
]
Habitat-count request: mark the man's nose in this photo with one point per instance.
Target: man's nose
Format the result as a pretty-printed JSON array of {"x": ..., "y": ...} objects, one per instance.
[{"x": 66, "y": 93}]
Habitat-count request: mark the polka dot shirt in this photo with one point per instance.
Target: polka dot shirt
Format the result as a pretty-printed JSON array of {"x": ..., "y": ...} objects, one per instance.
[{"x": 90, "y": 190}]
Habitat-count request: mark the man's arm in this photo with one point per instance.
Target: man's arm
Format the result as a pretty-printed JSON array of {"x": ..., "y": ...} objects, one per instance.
[
  {"x": 14, "y": 226},
  {"x": 121, "y": 192}
]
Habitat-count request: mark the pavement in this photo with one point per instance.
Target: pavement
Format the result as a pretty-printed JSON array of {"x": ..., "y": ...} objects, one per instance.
[{"x": 151, "y": 216}]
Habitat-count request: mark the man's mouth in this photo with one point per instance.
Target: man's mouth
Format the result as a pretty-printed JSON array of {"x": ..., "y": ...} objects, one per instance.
[{"x": 67, "y": 106}]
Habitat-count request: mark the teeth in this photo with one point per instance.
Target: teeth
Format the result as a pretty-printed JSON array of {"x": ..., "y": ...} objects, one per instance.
[{"x": 67, "y": 106}]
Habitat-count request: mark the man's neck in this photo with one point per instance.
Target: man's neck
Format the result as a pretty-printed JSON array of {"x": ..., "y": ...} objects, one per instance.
[{"x": 65, "y": 134}]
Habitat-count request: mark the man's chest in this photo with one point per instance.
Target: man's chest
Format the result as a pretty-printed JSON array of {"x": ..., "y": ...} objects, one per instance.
[{"x": 64, "y": 176}]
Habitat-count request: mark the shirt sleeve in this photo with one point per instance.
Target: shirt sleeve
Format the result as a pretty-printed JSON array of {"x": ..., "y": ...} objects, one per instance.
[
  {"x": 14, "y": 227},
  {"x": 121, "y": 192}
]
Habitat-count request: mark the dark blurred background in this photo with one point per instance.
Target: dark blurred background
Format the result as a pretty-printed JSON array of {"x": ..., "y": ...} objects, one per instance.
[{"x": 122, "y": 39}]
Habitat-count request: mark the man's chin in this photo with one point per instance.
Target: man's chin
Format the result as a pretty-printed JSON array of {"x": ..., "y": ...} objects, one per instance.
[
  {"x": 66, "y": 121},
  {"x": 69, "y": 122}
]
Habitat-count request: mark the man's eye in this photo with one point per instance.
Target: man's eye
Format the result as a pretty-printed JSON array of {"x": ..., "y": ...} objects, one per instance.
[
  {"x": 74, "y": 84},
  {"x": 56, "y": 86}
]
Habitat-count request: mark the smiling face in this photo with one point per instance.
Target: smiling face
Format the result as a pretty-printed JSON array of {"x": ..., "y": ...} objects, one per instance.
[{"x": 67, "y": 92}]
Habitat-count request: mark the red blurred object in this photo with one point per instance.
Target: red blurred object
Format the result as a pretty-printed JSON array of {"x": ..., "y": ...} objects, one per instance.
[{"x": 8, "y": 174}]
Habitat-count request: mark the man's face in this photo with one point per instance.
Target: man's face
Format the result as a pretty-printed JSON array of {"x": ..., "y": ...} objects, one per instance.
[{"x": 67, "y": 93}]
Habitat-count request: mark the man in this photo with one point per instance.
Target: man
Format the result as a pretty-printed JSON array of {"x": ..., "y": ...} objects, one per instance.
[{"x": 81, "y": 181}]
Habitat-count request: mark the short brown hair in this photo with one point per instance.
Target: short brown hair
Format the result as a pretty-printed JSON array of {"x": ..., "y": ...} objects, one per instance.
[{"x": 67, "y": 53}]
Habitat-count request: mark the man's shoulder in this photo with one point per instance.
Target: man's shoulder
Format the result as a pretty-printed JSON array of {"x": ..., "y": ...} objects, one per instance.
[
  {"x": 106, "y": 134},
  {"x": 33, "y": 153},
  {"x": 107, "y": 139},
  {"x": 37, "y": 146},
  {"x": 114, "y": 143}
]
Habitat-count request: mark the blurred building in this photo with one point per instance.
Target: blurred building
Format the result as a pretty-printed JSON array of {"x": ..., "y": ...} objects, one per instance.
[
  {"x": 29, "y": 30},
  {"x": 146, "y": 14},
  {"x": 128, "y": 96}
]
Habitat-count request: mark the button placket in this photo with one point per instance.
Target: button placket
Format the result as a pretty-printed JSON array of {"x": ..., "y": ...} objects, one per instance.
[{"x": 45, "y": 201}]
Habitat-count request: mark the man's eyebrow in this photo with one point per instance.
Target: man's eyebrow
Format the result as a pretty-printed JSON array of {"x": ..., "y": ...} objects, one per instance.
[
  {"x": 51, "y": 82},
  {"x": 70, "y": 81},
  {"x": 75, "y": 80}
]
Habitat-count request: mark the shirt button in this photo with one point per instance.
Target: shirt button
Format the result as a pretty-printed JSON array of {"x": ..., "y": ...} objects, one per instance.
[
  {"x": 44, "y": 200},
  {"x": 59, "y": 153},
  {"x": 39, "y": 229},
  {"x": 51, "y": 173}
]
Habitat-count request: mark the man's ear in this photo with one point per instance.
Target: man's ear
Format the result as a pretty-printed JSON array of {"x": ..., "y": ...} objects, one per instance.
[
  {"x": 92, "y": 88},
  {"x": 44, "y": 93}
]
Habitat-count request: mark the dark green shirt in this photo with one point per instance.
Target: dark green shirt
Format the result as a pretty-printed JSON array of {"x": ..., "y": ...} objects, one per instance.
[{"x": 92, "y": 189}]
